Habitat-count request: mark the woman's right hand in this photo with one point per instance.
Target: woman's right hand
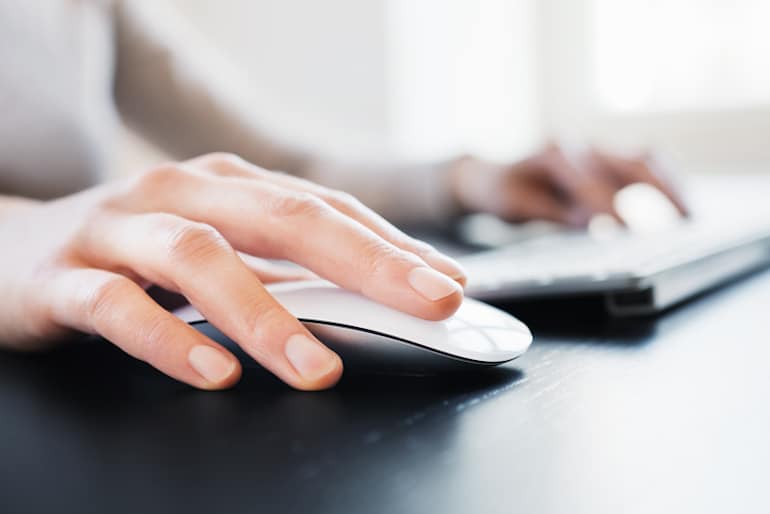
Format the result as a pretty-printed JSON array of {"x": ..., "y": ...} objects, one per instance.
[{"x": 81, "y": 263}]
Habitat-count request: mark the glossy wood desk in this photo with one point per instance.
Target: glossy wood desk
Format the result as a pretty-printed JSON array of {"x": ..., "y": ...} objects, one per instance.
[{"x": 664, "y": 415}]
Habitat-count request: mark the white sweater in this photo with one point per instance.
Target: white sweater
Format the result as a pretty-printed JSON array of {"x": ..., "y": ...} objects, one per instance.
[{"x": 68, "y": 68}]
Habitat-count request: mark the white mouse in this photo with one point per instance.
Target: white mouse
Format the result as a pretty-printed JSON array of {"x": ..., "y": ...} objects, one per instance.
[{"x": 369, "y": 335}]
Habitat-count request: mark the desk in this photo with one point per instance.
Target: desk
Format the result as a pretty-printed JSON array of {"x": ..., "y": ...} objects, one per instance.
[{"x": 664, "y": 415}]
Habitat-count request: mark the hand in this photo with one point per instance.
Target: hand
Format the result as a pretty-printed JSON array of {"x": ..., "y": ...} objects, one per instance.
[
  {"x": 554, "y": 184},
  {"x": 81, "y": 263}
]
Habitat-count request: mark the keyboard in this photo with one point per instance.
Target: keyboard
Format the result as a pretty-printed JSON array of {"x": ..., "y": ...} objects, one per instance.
[{"x": 637, "y": 274}]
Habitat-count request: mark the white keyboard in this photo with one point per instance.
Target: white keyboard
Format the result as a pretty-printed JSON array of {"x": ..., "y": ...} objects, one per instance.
[{"x": 669, "y": 266}]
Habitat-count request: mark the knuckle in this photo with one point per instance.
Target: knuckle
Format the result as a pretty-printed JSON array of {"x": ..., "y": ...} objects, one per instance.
[
  {"x": 343, "y": 199},
  {"x": 103, "y": 299},
  {"x": 376, "y": 258},
  {"x": 160, "y": 178},
  {"x": 298, "y": 204},
  {"x": 223, "y": 163},
  {"x": 155, "y": 338},
  {"x": 258, "y": 315},
  {"x": 226, "y": 158},
  {"x": 93, "y": 216},
  {"x": 192, "y": 241}
]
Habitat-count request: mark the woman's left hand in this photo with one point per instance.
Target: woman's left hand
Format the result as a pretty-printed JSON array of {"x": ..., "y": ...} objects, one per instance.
[{"x": 555, "y": 184}]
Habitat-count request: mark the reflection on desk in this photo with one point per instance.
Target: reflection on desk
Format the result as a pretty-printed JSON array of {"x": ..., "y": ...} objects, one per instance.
[{"x": 663, "y": 415}]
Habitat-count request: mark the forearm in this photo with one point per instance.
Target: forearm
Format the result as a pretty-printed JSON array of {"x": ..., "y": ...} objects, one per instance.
[
  {"x": 404, "y": 193},
  {"x": 189, "y": 109}
]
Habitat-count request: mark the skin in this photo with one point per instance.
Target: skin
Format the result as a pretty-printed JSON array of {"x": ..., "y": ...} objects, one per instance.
[
  {"x": 202, "y": 228},
  {"x": 555, "y": 184},
  {"x": 82, "y": 263}
]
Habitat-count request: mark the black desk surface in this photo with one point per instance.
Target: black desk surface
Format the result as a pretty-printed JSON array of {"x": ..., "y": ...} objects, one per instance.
[{"x": 665, "y": 415}]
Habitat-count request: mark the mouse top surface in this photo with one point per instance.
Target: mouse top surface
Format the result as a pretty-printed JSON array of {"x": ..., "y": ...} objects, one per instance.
[{"x": 477, "y": 332}]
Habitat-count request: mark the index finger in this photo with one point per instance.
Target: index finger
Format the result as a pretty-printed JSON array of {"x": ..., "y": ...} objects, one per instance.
[
  {"x": 579, "y": 179},
  {"x": 270, "y": 221},
  {"x": 195, "y": 261},
  {"x": 233, "y": 166},
  {"x": 648, "y": 170}
]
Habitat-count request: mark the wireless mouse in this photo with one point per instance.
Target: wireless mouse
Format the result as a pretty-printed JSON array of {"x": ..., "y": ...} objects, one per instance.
[{"x": 370, "y": 336}]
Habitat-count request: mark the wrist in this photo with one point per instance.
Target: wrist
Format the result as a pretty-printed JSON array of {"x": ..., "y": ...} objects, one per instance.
[
  {"x": 459, "y": 177},
  {"x": 472, "y": 181}
]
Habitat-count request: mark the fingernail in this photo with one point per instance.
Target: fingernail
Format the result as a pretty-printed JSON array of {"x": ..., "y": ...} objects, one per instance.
[
  {"x": 311, "y": 359},
  {"x": 446, "y": 264},
  {"x": 431, "y": 284},
  {"x": 210, "y": 363}
]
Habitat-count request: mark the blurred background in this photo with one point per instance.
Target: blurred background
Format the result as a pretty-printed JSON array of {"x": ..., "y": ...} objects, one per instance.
[{"x": 425, "y": 79}]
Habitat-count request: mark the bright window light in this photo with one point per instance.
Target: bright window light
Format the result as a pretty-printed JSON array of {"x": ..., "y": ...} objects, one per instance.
[
  {"x": 461, "y": 76},
  {"x": 663, "y": 55}
]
